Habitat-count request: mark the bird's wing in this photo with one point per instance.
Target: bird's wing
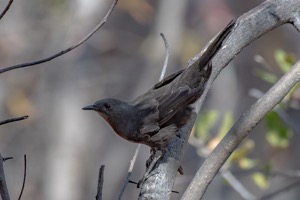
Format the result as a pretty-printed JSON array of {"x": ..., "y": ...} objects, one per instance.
[
  {"x": 161, "y": 138},
  {"x": 148, "y": 112},
  {"x": 159, "y": 110},
  {"x": 172, "y": 102},
  {"x": 167, "y": 80}
]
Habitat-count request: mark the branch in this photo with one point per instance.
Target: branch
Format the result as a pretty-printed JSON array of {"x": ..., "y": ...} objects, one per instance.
[
  {"x": 102, "y": 22},
  {"x": 7, "y": 158},
  {"x": 13, "y": 120},
  {"x": 3, "y": 187},
  {"x": 281, "y": 190},
  {"x": 100, "y": 183},
  {"x": 24, "y": 178},
  {"x": 6, "y": 9},
  {"x": 167, "y": 49},
  {"x": 250, "y": 26},
  {"x": 132, "y": 162},
  {"x": 237, "y": 185},
  {"x": 239, "y": 131}
]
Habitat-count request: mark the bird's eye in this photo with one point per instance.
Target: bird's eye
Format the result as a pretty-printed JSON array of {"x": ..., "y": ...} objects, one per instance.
[{"x": 107, "y": 106}]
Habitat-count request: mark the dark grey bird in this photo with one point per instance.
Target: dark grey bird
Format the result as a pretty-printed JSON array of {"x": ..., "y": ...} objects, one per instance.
[{"x": 154, "y": 117}]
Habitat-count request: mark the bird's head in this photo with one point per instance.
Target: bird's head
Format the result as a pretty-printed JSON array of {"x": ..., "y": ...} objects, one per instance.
[{"x": 109, "y": 108}]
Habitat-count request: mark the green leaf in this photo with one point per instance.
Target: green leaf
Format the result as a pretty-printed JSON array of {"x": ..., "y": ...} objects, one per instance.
[
  {"x": 279, "y": 134},
  {"x": 266, "y": 76},
  {"x": 243, "y": 150},
  {"x": 261, "y": 180},
  {"x": 205, "y": 122},
  {"x": 247, "y": 163},
  {"x": 284, "y": 60},
  {"x": 227, "y": 124}
]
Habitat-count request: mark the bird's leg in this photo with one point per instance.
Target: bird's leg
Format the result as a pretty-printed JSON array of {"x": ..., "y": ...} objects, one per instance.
[{"x": 150, "y": 163}]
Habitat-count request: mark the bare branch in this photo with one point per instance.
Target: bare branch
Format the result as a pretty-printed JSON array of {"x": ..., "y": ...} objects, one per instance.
[
  {"x": 237, "y": 185},
  {"x": 102, "y": 22},
  {"x": 6, "y": 9},
  {"x": 13, "y": 120},
  {"x": 24, "y": 178},
  {"x": 164, "y": 69},
  {"x": 7, "y": 158},
  {"x": 281, "y": 190},
  {"x": 132, "y": 162},
  {"x": 3, "y": 187},
  {"x": 100, "y": 183}
]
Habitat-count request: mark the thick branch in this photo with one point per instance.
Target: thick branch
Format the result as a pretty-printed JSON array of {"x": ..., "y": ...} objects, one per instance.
[
  {"x": 250, "y": 26},
  {"x": 239, "y": 131}
]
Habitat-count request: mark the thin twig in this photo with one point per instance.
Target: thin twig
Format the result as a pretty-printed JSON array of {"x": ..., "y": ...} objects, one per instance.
[
  {"x": 164, "y": 69},
  {"x": 6, "y": 8},
  {"x": 236, "y": 185},
  {"x": 24, "y": 178},
  {"x": 284, "y": 189},
  {"x": 7, "y": 158},
  {"x": 132, "y": 162},
  {"x": 66, "y": 50},
  {"x": 100, "y": 183},
  {"x": 13, "y": 120},
  {"x": 3, "y": 187}
]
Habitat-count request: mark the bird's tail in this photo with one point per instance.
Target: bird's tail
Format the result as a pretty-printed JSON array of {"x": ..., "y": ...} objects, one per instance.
[
  {"x": 214, "y": 46},
  {"x": 197, "y": 75}
]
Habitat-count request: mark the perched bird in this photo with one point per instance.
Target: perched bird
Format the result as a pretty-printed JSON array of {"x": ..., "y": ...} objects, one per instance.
[{"x": 154, "y": 117}]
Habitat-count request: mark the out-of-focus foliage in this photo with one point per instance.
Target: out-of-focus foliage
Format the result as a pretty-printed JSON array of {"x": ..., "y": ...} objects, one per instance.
[
  {"x": 240, "y": 155},
  {"x": 205, "y": 122},
  {"x": 278, "y": 134},
  {"x": 261, "y": 180},
  {"x": 247, "y": 163},
  {"x": 266, "y": 76},
  {"x": 226, "y": 125},
  {"x": 284, "y": 60}
]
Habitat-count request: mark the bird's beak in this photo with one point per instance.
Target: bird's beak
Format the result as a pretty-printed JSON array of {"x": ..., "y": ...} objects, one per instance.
[{"x": 90, "y": 107}]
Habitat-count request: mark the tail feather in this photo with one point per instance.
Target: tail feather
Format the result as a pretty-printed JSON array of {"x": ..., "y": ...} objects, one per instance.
[
  {"x": 199, "y": 72},
  {"x": 215, "y": 45}
]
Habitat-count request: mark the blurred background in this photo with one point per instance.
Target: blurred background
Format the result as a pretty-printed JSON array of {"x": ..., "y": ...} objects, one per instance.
[{"x": 65, "y": 146}]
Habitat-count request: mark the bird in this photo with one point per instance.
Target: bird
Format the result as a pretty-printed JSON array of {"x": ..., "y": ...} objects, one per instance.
[{"x": 155, "y": 117}]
